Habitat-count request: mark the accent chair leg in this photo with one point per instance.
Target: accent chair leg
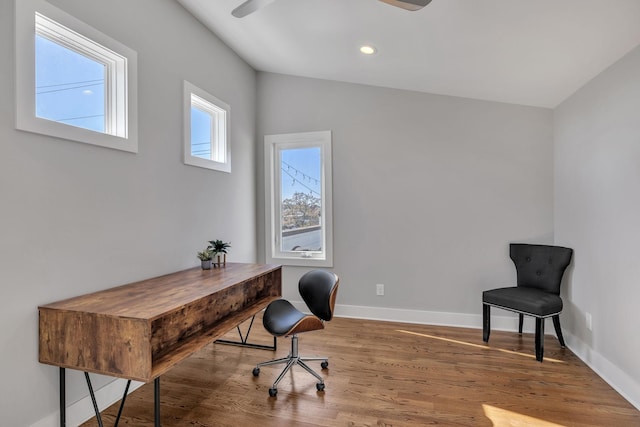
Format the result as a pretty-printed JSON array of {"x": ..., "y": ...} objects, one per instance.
[
  {"x": 486, "y": 322},
  {"x": 539, "y": 338},
  {"x": 520, "y": 322},
  {"x": 556, "y": 324}
]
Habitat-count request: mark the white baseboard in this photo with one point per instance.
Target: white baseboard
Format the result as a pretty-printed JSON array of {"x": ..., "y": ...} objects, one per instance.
[
  {"x": 440, "y": 318},
  {"x": 82, "y": 410},
  {"x": 614, "y": 376},
  {"x": 51, "y": 420}
]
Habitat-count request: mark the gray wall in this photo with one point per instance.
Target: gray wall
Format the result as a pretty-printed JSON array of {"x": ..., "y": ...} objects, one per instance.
[
  {"x": 428, "y": 190},
  {"x": 597, "y": 212},
  {"x": 76, "y": 218}
]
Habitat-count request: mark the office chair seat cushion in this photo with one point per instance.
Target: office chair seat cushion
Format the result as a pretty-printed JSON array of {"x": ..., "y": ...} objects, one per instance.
[
  {"x": 525, "y": 300},
  {"x": 281, "y": 318}
]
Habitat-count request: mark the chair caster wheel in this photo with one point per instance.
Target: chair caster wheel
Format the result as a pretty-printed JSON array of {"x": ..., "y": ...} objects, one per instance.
[
  {"x": 320, "y": 386},
  {"x": 273, "y": 392},
  {"x": 324, "y": 364},
  {"x": 256, "y": 372}
]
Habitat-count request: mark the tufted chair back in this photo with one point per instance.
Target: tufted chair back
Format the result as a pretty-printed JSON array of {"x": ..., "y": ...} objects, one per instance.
[{"x": 540, "y": 266}]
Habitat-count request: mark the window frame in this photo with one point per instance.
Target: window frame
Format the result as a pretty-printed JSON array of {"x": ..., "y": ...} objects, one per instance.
[
  {"x": 37, "y": 17},
  {"x": 219, "y": 111},
  {"x": 273, "y": 144}
]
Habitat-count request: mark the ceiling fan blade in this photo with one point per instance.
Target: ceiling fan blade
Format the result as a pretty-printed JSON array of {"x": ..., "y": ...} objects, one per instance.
[
  {"x": 248, "y": 7},
  {"x": 408, "y": 4}
]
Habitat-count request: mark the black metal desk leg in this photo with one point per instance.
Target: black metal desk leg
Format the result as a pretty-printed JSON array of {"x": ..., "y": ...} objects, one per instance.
[
  {"x": 156, "y": 399},
  {"x": 124, "y": 397},
  {"x": 93, "y": 400},
  {"x": 63, "y": 399},
  {"x": 243, "y": 339}
]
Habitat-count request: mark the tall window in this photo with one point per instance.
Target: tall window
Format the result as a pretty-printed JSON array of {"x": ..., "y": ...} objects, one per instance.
[
  {"x": 206, "y": 142},
  {"x": 299, "y": 205},
  {"x": 72, "y": 81}
]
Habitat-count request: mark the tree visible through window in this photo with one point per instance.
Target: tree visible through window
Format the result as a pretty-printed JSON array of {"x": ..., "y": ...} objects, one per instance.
[
  {"x": 298, "y": 214},
  {"x": 301, "y": 197}
]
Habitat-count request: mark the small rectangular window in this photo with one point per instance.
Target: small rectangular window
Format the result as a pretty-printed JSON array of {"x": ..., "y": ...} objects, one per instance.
[
  {"x": 298, "y": 184},
  {"x": 72, "y": 81},
  {"x": 206, "y": 141}
]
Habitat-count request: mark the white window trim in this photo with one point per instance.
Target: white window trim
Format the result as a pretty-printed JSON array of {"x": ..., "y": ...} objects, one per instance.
[
  {"x": 272, "y": 144},
  {"x": 121, "y": 83},
  {"x": 220, "y": 112}
]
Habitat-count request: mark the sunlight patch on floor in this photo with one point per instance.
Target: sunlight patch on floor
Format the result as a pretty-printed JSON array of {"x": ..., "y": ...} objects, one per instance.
[
  {"x": 504, "y": 418},
  {"x": 483, "y": 347}
]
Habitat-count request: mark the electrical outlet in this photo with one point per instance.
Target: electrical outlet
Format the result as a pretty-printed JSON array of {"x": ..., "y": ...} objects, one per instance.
[
  {"x": 379, "y": 289},
  {"x": 589, "y": 321}
]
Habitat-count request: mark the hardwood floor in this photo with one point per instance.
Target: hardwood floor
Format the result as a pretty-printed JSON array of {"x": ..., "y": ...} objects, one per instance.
[{"x": 384, "y": 374}]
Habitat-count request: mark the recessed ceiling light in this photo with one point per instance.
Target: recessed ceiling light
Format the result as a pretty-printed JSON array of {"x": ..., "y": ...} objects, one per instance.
[{"x": 368, "y": 50}]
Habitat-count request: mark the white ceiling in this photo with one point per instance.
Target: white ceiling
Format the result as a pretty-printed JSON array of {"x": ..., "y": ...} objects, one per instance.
[{"x": 530, "y": 52}]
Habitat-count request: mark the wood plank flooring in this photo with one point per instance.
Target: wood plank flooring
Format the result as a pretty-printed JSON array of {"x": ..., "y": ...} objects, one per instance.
[{"x": 384, "y": 374}]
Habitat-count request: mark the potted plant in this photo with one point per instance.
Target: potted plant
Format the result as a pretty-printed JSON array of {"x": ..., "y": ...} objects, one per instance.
[
  {"x": 205, "y": 257},
  {"x": 219, "y": 247}
]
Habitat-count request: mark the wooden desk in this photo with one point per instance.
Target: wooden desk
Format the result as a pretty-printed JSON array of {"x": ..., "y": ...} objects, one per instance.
[{"x": 140, "y": 330}]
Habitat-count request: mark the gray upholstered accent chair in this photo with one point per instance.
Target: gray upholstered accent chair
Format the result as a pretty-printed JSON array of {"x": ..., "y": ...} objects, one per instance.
[
  {"x": 318, "y": 289},
  {"x": 539, "y": 270}
]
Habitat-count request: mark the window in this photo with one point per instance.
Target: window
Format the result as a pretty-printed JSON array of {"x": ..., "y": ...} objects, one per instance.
[
  {"x": 72, "y": 81},
  {"x": 206, "y": 141},
  {"x": 299, "y": 226}
]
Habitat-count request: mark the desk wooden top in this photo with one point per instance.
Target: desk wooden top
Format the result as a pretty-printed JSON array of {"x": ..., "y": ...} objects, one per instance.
[
  {"x": 151, "y": 298},
  {"x": 140, "y": 330}
]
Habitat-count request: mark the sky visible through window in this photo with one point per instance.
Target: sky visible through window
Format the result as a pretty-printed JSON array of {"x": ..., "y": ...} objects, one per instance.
[
  {"x": 69, "y": 86},
  {"x": 201, "y": 133},
  {"x": 301, "y": 172}
]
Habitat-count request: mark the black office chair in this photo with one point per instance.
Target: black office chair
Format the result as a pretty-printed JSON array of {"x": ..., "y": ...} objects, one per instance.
[
  {"x": 539, "y": 269},
  {"x": 318, "y": 289}
]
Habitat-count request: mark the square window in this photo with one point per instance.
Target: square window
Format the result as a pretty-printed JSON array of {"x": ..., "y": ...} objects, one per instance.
[
  {"x": 206, "y": 142},
  {"x": 72, "y": 81}
]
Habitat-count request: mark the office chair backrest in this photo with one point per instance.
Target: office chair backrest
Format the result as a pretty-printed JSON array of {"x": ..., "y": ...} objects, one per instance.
[
  {"x": 318, "y": 289},
  {"x": 540, "y": 266}
]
